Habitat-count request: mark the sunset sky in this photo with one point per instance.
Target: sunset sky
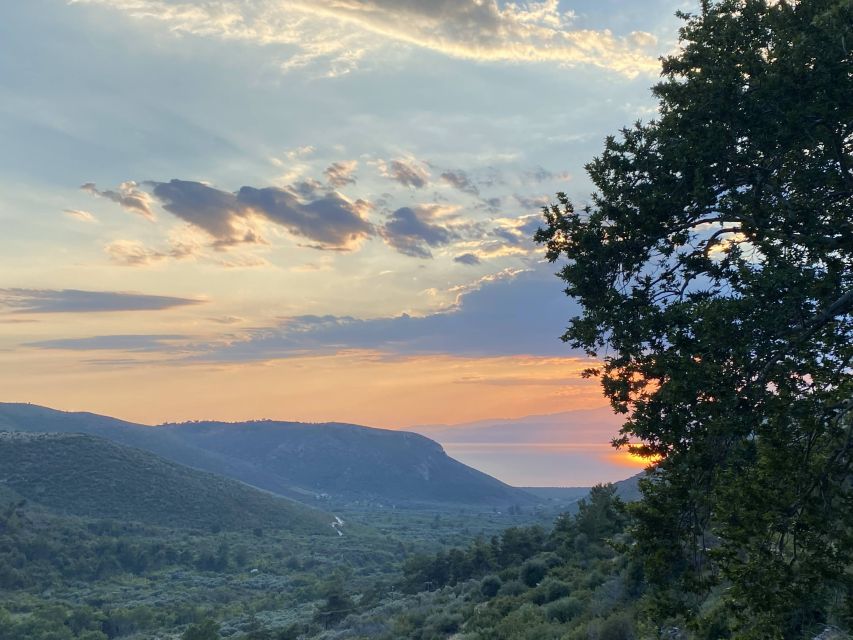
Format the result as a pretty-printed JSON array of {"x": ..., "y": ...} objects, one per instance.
[{"x": 302, "y": 210}]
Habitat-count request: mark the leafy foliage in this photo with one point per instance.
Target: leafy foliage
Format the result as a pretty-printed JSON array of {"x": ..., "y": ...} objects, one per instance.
[
  {"x": 715, "y": 262},
  {"x": 64, "y": 577},
  {"x": 570, "y": 582}
]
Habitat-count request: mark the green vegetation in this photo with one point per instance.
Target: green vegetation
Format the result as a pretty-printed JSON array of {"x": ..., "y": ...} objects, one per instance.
[
  {"x": 86, "y": 476},
  {"x": 715, "y": 263},
  {"x": 573, "y": 581},
  {"x": 68, "y": 577},
  {"x": 101, "y": 541},
  {"x": 714, "y": 266}
]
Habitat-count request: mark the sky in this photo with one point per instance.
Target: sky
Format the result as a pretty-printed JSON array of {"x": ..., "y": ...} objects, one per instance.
[{"x": 304, "y": 211}]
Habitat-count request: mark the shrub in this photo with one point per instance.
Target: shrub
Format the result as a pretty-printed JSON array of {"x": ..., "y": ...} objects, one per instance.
[
  {"x": 532, "y": 572},
  {"x": 551, "y": 589},
  {"x": 490, "y": 586},
  {"x": 619, "y": 626},
  {"x": 564, "y": 609},
  {"x": 512, "y": 588}
]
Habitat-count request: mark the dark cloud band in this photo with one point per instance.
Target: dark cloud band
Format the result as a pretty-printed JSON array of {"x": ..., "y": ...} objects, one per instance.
[
  {"x": 329, "y": 222},
  {"x": 76, "y": 301}
]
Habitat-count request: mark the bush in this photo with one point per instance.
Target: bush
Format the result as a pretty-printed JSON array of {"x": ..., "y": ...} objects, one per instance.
[
  {"x": 490, "y": 586},
  {"x": 564, "y": 609},
  {"x": 523, "y": 623},
  {"x": 512, "y": 588},
  {"x": 550, "y": 589},
  {"x": 532, "y": 572},
  {"x": 206, "y": 630},
  {"x": 619, "y": 626},
  {"x": 444, "y": 623}
]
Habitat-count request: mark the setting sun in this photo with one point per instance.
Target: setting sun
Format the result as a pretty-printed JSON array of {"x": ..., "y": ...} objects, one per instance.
[{"x": 629, "y": 457}]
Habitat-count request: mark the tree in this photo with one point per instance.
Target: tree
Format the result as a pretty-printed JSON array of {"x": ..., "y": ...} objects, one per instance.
[
  {"x": 714, "y": 266},
  {"x": 601, "y": 515}
]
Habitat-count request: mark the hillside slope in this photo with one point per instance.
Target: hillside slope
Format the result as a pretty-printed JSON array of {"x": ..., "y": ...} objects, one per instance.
[
  {"x": 87, "y": 476},
  {"x": 344, "y": 459},
  {"x": 347, "y": 462}
]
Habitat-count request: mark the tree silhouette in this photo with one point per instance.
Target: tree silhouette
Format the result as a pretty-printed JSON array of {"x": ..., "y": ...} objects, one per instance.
[{"x": 714, "y": 265}]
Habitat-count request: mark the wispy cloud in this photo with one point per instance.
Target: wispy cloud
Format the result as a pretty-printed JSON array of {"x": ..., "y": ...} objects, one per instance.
[
  {"x": 342, "y": 32},
  {"x": 80, "y": 215},
  {"x": 128, "y": 195},
  {"x": 460, "y": 180},
  {"x": 340, "y": 174},
  {"x": 407, "y": 172},
  {"x": 541, "y": 174},
  {"x": 132, "y": 343},
  {"x": 504, "y": 237},
  {"x": 130, "y": 253},
  {"x": 77, "y": 301}
]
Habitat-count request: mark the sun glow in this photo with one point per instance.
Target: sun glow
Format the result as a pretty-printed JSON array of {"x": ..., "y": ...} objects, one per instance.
[{"x": 630, "y": 457}]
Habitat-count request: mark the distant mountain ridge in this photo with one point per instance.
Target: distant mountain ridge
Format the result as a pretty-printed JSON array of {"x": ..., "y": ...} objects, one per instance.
[
  {"x": 83, "y": 475},
  {"x": 299, "y": 460}
]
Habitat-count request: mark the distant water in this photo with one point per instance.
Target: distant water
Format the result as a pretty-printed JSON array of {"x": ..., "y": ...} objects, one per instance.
[{"x": 546, "y": 464}]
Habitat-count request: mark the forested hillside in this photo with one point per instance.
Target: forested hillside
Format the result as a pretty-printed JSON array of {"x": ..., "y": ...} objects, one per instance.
[
  {"x": 86, "y": 476},
  {"x": 343, "y": 462}
]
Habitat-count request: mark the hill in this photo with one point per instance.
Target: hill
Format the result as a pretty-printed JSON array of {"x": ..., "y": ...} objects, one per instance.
[
  {"x": 82, "y": 475},
  {"x": 342, "y": 461}
]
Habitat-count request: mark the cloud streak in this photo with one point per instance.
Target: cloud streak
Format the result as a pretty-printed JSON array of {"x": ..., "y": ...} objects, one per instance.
[
  {"x": 127, "y": 195},
  {"x": 510, "y": 313},
  {"x": 340, "y": 33},
  {"x": 80, "y": 215},
  {"x": 132, "y": 343},
  {"x": 130, "y": 253},
  {"x": 77, "y": 301}
]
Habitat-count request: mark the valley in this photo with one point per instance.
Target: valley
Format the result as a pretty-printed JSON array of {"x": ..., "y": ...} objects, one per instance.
[{"x": 104, "y": 534}]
